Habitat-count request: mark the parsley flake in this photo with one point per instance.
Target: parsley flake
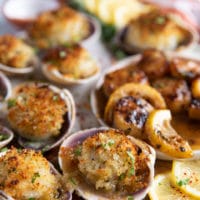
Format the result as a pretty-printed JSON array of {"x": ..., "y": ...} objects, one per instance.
[
  {"x": 11, "y": 103},
  {"x": 183, "y": 182},
  {"x": 35, "y": 176}
]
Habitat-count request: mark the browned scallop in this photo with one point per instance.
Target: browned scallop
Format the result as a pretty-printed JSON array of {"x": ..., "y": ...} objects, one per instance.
[
  {"x": 175, "y": 92},
  {"x": 130, "y": 114},
  {"x": 184, "y": 68},
  {"x": 118, "y": 78},
  {"x": 153, "y": 63},
  {"x": 194, "y": 109}
]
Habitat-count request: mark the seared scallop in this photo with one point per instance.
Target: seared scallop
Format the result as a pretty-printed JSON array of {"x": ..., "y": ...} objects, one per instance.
[
  {"x": 60, "y": 26},
  {"x": 69, "y": 64},
  {"x": 175, "y": 92},
  {"x": 156, "y": 29},
  {"x": 119, "y": 77},
  {"x": 26, "y": 174},
  {"x": 14, "y": 52},
  {"x": 105, "y": 164},
  {"x": 184, "y": 68},
  {"x": 153, "y": 63}
]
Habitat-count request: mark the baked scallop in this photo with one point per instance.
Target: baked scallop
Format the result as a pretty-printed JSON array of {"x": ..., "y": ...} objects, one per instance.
[
  {"x": 26, "y": 174},
  {"x": 104, "y": 164},
  {"x": 60, "y": 26},
  {"x": 41, "y": 113},
  {"x": 16, "y": 57},
  {"x": 157, "y": 29},
  {"x": 70, "y": 65}
]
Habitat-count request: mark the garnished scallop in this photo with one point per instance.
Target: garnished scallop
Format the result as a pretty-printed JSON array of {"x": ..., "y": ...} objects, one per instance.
[
  {"x": 157, "y": 29},
  {"x": 69, "y": 65},
  {"x": 186, "y": 68},
  {"x": 164, "y": 138},
  {"x": 60, "y": 26},
  {"x": 117, "y": 78},
  {"x": 105, "y": 164},
  {"x": 175, "y": 92},
  {"x": 26, "y": 174},
  {"x": 145, "y": 92},
  {"x": 16, "y": 56},
  {"x": 41, "y": 113},
  {"x": 154, "y": 63}
]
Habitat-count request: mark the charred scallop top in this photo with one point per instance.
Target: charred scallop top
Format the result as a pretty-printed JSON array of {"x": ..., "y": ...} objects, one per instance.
[
  {"x": 36, "y": 112},
  {"x": 119, "y": 77},
  {"x": 60, "y": 26},
  {"x": 156, "y": 29},
  {"x": 110, "y": 162},
  {"x": 14, "y": 52},
  {"x": 26, "y": 174},
  {"x": 72, "y": 62}
]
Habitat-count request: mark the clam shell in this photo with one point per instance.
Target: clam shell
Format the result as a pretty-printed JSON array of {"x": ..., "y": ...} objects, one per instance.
[
  {"x": 181, "y": 48},
  {"x": 66, "y": 196},
  {"x": 86, "y": 191},
  {"x": 67, "y": 126},
  {"x": 94, "y": 99},
  {"x": 20, "y": 71},
  {"x": 5, "y": 85},
  {"x": 8, "y": 136}
]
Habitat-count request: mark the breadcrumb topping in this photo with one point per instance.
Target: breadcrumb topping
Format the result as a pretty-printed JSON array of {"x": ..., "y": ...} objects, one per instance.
[
  {"x": 26, "y": 174},
  {"x": 36, "y": 112},
  {"x": 14, "y": 52}
]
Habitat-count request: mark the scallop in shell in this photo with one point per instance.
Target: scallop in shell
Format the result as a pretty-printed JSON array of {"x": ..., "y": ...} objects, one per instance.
[
  {"x": 41, "y": 114},
  {"x": 160, "y": 27},
  {"x": 30, "y": 176},
  {"x": 90, "y": 163},
  {"x": 16, "y": 57},
  {"x": 70, "y": 65}
]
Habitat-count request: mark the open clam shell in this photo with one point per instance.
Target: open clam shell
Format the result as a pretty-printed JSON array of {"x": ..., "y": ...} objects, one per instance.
[
  {"x": 66, "y": 195},
  {"x": 182, "y": 47},
  {"x": 6, "y": 135},
  {"x": 69, "y": 119},
  {"x": 5, "y": 87},
  {"x": 20, "y": 71},
  {"x": 95, "y": 99},
  {"x": 87, "y": 191}
]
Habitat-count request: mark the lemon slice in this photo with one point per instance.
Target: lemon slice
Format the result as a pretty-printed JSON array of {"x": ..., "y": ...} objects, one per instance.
[
  {"x": 186, "y": 176},
  {"x": 162, "y": 190},
  {"x": 163, "y": 137}
]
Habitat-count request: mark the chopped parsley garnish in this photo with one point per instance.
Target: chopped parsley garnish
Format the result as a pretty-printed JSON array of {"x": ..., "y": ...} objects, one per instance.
[
  {"x": 4, "y": 149},
  {"x": 183, "y": 182},
  {"x": 11, "y": 103},
  {"x": 3, "y": 137},
  {"x": 72, "y": 181},
  {"x": 130, "y": 198},
  {"x": 31, "y": 198},
  {"x": 122, "y": 177},
  {"x": 78, "y": 151},
  {"x": 62, "y": 54},
  {"x": 108, "y": 144},
  {"x": 55, "y": 98},
  {"x": 160, "y": 20},
  {"x": 35, "y": 176},
  {"x": 132, "y": 170}
]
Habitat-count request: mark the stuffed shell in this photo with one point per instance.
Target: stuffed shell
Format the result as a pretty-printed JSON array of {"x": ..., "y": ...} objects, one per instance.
[
  {"x": 61, "y": 26},
  {"x": 16, "y": 57},
  {"x": 105, "y": 164},
  {"x": 70, "y": 65},
  {"x": 26, "y": 174},
  {"x": 157, "y": 29},
  {"x": 41, "y": 113}
]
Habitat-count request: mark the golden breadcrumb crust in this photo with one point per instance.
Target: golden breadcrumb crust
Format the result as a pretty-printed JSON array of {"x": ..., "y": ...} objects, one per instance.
[
  {"x": 36, "y": 112},
  {"x": 60, "y": 26},
  {"x": 26, "y": 174},
  {"x": 14, "y": 52}
]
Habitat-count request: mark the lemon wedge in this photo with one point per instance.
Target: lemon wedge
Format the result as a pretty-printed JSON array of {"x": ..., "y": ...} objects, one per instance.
[
  {"x": 163, "y": 137},
  {"x": 186, "y": 176},
  {"x": 162, "y": 190}
]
